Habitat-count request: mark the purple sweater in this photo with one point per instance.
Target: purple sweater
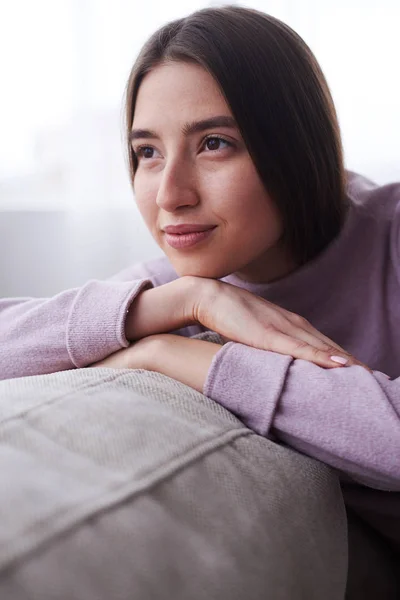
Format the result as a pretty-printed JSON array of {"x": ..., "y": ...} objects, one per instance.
[{"x": 347, "y": 417}]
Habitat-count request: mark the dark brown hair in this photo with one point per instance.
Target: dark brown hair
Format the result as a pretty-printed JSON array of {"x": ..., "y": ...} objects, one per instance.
[{"x": 282, "y": 105}]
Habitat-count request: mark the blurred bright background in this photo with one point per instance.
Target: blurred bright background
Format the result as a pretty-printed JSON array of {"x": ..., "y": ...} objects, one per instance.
[{"x": 67, "y": 212}]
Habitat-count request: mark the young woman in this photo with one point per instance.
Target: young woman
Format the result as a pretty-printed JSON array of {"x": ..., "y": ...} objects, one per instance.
[{"x": 237, "y": 167}]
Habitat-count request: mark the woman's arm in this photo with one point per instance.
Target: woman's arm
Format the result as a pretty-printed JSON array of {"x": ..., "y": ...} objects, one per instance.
[
  {"x": 71, "y": 329},
  {"x": 83, "y": 325},
  {"x": 182, "y": 358},
  {"x": 347, "y": 418}
]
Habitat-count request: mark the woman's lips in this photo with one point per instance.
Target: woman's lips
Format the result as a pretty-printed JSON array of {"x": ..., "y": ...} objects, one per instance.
[{"x": 186, "y": 240}]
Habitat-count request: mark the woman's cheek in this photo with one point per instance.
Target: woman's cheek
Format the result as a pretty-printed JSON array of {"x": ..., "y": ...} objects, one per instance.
[
  {"x": 146, "y": 199},
  {"x": 149, "y": 212}
]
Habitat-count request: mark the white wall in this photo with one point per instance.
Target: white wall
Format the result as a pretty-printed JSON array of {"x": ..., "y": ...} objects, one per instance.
[{"x": 44, "y": 252}]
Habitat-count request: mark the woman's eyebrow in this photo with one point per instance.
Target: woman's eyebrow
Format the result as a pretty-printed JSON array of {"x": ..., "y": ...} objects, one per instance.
[
  {"x": 198, "y": 126},
  {"x": 188, "y": 128}
]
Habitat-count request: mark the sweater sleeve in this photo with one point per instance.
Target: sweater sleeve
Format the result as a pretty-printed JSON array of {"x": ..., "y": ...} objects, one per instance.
[
  {"x": 345, "y": 417},
  {"x": 72, "y": 329}
]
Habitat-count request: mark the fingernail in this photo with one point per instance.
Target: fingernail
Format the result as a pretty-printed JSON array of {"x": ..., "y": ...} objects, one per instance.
[{"x": 340, "y": 359}]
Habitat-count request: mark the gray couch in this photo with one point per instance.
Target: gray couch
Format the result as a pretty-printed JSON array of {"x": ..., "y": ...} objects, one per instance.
[{"x": 120, "y": 485}]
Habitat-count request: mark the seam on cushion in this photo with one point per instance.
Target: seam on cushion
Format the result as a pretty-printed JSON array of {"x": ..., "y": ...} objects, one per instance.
[
  {"x": 85, "y": 386},
  {"x": 115, "y": 375},
  {"x": 106, "y": 501},
  {"x": 109, "y": 469}
]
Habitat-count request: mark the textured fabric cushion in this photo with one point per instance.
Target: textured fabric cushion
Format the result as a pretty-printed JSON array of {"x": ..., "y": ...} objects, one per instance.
[{"x": 119, "y": 484}]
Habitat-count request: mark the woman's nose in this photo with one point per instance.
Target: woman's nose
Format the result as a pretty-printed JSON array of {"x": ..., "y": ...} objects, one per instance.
[{"x": 177, "y": 188}]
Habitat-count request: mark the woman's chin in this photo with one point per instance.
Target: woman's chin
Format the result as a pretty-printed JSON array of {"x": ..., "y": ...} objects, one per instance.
[{"x": 192, "y": 268}]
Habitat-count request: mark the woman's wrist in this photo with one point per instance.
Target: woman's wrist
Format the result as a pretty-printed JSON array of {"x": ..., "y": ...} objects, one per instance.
[
  {"x": 187, "y": 360},
  {"x": 161, "y": 309}
]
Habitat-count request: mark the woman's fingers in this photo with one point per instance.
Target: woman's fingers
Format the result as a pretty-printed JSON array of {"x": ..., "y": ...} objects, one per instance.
[
  {"x": 315, "y": 338},
  {"x": 305, "y": 348},
  {"x": 326, "y": 346},
  {"x": 302, "y": 344}
]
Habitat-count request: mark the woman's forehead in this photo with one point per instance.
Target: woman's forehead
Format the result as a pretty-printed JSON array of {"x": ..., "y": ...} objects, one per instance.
[{"x": 179, "y": 91}]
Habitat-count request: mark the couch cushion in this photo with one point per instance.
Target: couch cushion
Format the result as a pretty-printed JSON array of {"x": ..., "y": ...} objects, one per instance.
[{"x": 120, "y": 484}]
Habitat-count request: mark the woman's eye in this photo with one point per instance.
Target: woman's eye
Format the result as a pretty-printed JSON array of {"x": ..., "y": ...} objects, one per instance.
[
  {"x": 145, "y": 152},
  {"x": 216, "y": 143},
  {"x": 212, "y": 144}
]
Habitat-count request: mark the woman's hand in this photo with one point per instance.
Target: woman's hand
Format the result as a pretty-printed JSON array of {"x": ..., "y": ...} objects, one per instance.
[{"x": 243, "y": 317}]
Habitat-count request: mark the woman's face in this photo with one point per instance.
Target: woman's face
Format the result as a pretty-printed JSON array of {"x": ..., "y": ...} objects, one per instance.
[{"x": 194, "y": 172}]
